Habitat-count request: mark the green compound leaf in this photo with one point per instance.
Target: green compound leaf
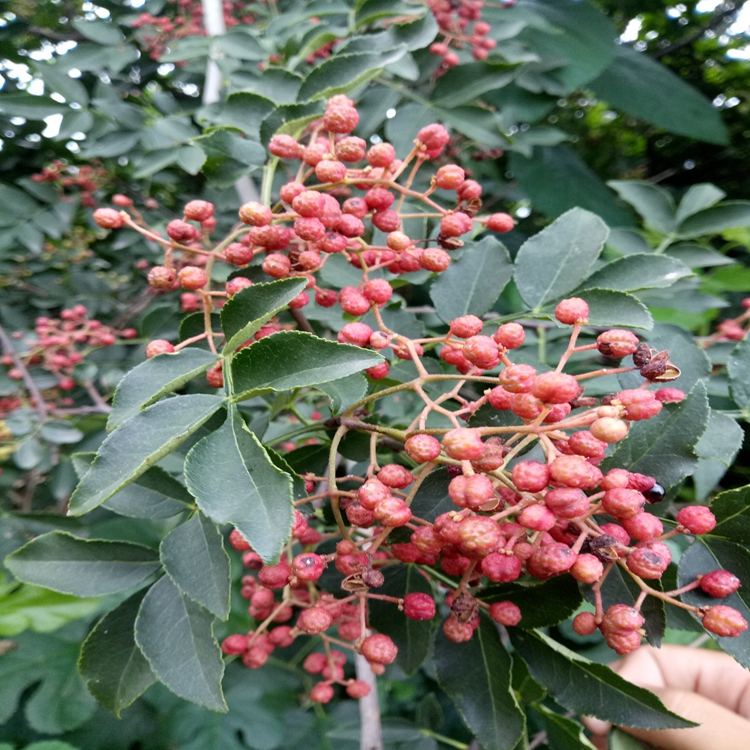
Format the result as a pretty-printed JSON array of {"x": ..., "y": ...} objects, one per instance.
[
  {"x": 541, "y": 605},
  {"x": 635, "y": 272},
  {"x": 412, "y": 637},
  {"x": 155, "y": 494},
  {"x": 717, "y": 449},
  {"x": 59, "y": 702},
  {"x": 342, "y": 73},
  {"x": 472, "y": 284},
  {"x": 709, "y": 553},
  {"x": 664, "y": 447},
  {"x": 194, "y": 558},
  {"x": 245, "y": 313},
  {"x": 82, "y": 567},
  {"x": 486, "y": 700},
  {"x": 41, "y": 610},
  {"x": 732, "y": 511},
  {"x": 138, "y": 444},
  {"x": 629, "y": 82},
  {"x": 564, "y": 733},
  {"x": 151, "y": 380},
  {"x": 249, "y": 492},
  {"x": 653, "y": 203},
  {"x": 608, "y": 308},
  {"x": 553, "y": 262},
  {"x": 111, "y": 664},
  {"x": 294, "y": 359},
  {"x": 345, "y": 391},
  {"x": 717, "y": 219},
  {"x": 738, "y": 367},
  {"x": 589, "y": 688},
  {"x": 176, "y": 636}
]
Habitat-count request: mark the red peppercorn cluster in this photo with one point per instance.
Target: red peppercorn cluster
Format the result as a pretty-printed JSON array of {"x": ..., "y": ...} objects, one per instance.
[
  {"x": 286, "y": 605},
  {"x": 343, "y": 192},
  {"x": 62, "y": 343},
  {"x": 461, "y": 26},
  {"x": 70, "y": 179},
  {"x": 514, "y": 517},
  {"x": 187, "y": 20}
]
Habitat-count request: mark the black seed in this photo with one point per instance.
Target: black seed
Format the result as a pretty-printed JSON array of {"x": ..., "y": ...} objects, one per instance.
[{"x": 655, "y": 494}]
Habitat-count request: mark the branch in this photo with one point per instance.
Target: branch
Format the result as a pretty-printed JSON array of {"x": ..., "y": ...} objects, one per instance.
[
  {"x": 371, "y": 737},
  {"x": 698, "y": 33},
  {"x": 41, "y": 405}
]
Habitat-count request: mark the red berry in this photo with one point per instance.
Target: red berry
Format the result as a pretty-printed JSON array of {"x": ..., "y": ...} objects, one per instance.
[
  {"x": 160, "y": 277},
  {"x": 233, "y": 645},
  {"x": 550, "y": 560},
  {"x": 669, "y": 395},
  {"x": 419, "y": 606},
  {"x": 357, "y": 334},
  {"x": 697, "y": 519},
  {"x": 518, "y": 378},
  {"x": 315, "y": 663},
  {"x": 587, "y": 568},
  {"x": 450, "y": 177},
  {"x": 181, "y": 231},
  {"x": 609, "y": 429},
  {"x": 510, "y": 335},
  {"x": 314, "y": 620},
  {"x": 237, "y": 284},
  {"x": 435, "y": 259},
  {"x": 649, "y": 561},
  {"x": 500, "y": 223},
  {"x": 340, "y": 119},
  {"x": 643, "y": 526},
  {"x": 108, "y": 218},
  {"x": 422, "y": 448},
  {"x": 555, "y": 388},
  {"x": 530, "y": 476},
  {"x": 199, "y": 210},
  {"x": 583, "y": 443},
  {"x": 191, "y": 277},
  {"x": 378, "y": 291},
  {"x": 617, "y": 343},
  {"x": 537, "y": 518},
  {"x": 157, "y": 346},
  {"x": 471, "y": 491},
  {"x": 724, "y": 621},
  {"x": 501, "y": 568},
  {"x": 308, "y": 566},
  {"x": 463, "y": 443},
  {"x": 238, "y": 541},
  {"x": 455, "y": 225},
  {"x": 480, "y": 535},
  {"x": 357, "y": 689},
  {"x": 481, "y": 351},
  {"x": 720, "y": 583},
  {"x": 456, "y": 631},
  {"x": 238, "y": 254},
  {"x": 285, "y": 147},
  {"x": 572, "y": 310},
  {"x": 381, "y": 155},
  {"x": 275, "y": 576},
  {"x": 379, "y": 648},
  {"x": 466, "y": 326},
  {"x": 395, "y": 476},
  {"x": 584, "y": 623},
  {"x": 392, "y": 512},
  {"x": 575, "y": 471},
  {"x": 321, "y": 693},
  {"x": 506, "y": 613},
  {"x": 623, "y": 503},
  {"x": 567, "y": 502}
]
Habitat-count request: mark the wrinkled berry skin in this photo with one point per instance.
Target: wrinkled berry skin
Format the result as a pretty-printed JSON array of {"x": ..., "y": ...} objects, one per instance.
[
  {"x": 724, "y": 621},
  {"x": 720, "y": 583},
  {"x": 697, "y": 519},
  {"x": 379, "y": 648},
  {"x": 506, "y": 613},
  {"x": 419, "y": 606}
]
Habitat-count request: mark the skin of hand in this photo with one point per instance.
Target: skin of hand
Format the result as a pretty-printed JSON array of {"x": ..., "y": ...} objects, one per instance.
[{"x": 707, "y": 687}]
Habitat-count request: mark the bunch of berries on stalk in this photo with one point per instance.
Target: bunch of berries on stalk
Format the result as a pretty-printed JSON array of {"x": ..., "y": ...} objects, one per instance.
[
  {"x": 319, "y": 214},
  {"x": 514, "y": 517},
  {"x": 62, "y": 343},
  {"x": 731, "y": 329},
  {"x": 462, "y": 26},
  {"x": 86, "y": 178},
  {"x": 161, "y": 30}
]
